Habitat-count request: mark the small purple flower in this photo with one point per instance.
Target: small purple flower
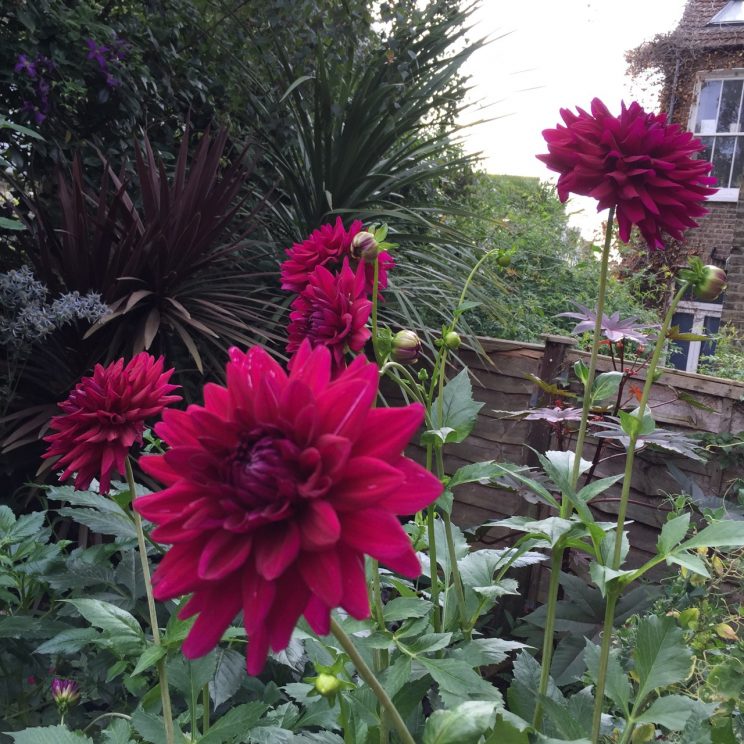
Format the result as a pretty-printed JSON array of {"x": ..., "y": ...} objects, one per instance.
[
  {"x": 613, "y": 329},
  {"x": 97, "y": 53},
  {"x": 65, "y": 693},
  {"x": 24, "y": 64},
  {"x": 120, "y": 49},
  {"x": 112, "y": 82}
]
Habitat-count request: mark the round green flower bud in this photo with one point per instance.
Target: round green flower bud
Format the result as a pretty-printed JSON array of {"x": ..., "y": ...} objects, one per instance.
[
  {"x": 364, "y": 246},
  {"x": 406, "y": 347},
  {"x": 452, "y": 340},
  {"x": 327, "y": 685},
  {"x": 504, "y": 260},
  {"x": 712, "y": 285}
]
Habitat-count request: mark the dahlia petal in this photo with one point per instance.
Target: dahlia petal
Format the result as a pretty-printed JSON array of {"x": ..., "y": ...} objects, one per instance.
[
  {"x": 258, "y": 650},
  {"x": 375, "y": 532},
  {"x": 365, "y": 481},
  {"x": 176, "y": 572},
  {"x": 389, "y": 431},
  {"x": 318, "y": 616},
  {"x": 158, "y": 468},
  {"x": 355, "y": 597},
  {"x": 344, "y": 406},
  {"x": 258, "y": 598},
  {"x": 223, "y": 605},
  {"x": 276, "y": 550},
  {"x": 320, "y": 527},
  {"x": 322, "y": 574},
  {"x": 223, "y": 553},
  {"x": 283, "y": 619},
  {"x": 420, "y": 489}
]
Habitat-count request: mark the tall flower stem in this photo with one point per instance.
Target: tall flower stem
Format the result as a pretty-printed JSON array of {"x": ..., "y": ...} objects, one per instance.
[
  {"x": 556, "y": 560},
  {"x": 613, "y": 592},
  {"x": 368, "y": 676},
  {"x": 162, "y": 672}
]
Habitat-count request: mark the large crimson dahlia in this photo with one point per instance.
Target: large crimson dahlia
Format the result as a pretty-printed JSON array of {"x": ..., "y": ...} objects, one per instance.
[
  {"x": 276, "y": 488},
  {"x": 327, "y": 246},
  {"x": 332, "y": 311},
  {"x": 635, "y": 162},
  {"x": 105, "y": 415}
]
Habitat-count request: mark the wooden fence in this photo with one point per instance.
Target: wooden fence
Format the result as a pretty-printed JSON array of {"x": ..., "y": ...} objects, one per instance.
[{"x": 500, "y": 381}]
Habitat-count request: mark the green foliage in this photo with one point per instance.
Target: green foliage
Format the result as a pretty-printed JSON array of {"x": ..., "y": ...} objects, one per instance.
[
  {"x": 550, "y": 264},
  {"x": 728, "y": 360}
]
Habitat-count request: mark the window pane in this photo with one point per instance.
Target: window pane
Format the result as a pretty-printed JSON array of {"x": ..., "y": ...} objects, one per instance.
[
  {"x": 681, "y": 349},
  {"x": 711, "y": 324},
  {"x": 707, "y": 153},
  {"x": 728, "y": 115},
  {"x": 710, "y": 92},
  {"x": 722, "y": 157},
  {"x": 738, "y": 171}
]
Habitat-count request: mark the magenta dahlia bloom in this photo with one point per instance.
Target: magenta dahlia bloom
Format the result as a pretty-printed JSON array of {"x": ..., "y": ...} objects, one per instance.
[
  {"x": 327, "y": 246},
  {"x": 635, "y": 162},
  {"x": 332, "y": 311},
  {"x": 276, "y": 488},
  {"x": 105, "y": 415}
]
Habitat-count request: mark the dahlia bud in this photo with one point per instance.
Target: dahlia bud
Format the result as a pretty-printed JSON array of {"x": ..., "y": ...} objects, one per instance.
[
  {"x": 327, "y": 684},
  {"x": 711, "y": 285},
  {"x": 364, "y": 246},
  {"x": 65, "y": 693},
  {"x": 452, "y": 340},
  {"x": 406, "y": 347}
]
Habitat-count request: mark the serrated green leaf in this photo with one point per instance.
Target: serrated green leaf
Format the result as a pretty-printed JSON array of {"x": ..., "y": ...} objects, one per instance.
[
  {"x": 617, "y": 684},
  {"x": 593, "y": 489},
  {"x": 661, "y": 656},
  {"x": 459, "y": 410},
  {"x": 117, "y": 732},
  {"x": 673, "y": 711},
  {"x": 457, "y": 681},
  {"x": 581, "y": 371},
  {"x": 723, "y": 534},
  {"x": 403, "y": 608},
  {"x": 237, "y": 721},
  {"x": 228, "y": 676},
  {"x": 672, "y": 533},
  {"x": 48, "y": 735},
  {"x": 463, "y": 725},
  {"x": 149, "y": 657},
  {"x": 690, "y": 561},
  {"x": 606, "y": 385},
  {"x": 477, "y": 472},
  {"x": 68, "y": 641}
]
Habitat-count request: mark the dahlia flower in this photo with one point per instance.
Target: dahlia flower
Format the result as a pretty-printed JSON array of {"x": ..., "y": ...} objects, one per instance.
[
  {"x": 635, "y": 162},
  {"x": 328, "y": 246},
  {"x": 276, "y": 488},
  {"x": 105, "y": 415},
  {"x": 332, "y": 311}
]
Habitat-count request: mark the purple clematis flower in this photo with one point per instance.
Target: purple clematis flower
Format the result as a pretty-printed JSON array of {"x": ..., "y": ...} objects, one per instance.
[
  {"x": 24, "y": 64},
  {"x": 613, "y": 329},
  {"x": 97, "y": 53}
]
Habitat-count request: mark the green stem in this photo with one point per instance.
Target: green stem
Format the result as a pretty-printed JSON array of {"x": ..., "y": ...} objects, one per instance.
[
  {"x": 602, "y": 292},
  {"x": 609, "y": 619},
  {"x": 106, "y": 715},
  {"x": 431, "y": 515},
  {"x": 604, "y": 660},
  {"x": 162, "y": 672},
  {"x": 205, "y": 708},
  {"x": 565, "y": 511},
  {"x": 556, "y": 561},
  {"x": 375, "y": 302},
  {"x": 368, "y": 676},
  {"x": 192, "y": 704}
]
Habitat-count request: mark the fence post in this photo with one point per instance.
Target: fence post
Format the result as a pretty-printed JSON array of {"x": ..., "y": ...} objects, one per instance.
[{"x": 539, "y": 434}]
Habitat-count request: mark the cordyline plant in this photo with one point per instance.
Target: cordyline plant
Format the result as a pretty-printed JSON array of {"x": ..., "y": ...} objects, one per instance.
[{"x": 299, "y": 529}]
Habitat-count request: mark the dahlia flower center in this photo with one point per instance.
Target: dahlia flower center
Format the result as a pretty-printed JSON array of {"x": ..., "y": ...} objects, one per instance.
[
  {"x": 111, "y": 418},
  {"x": 263, "y": 469}
]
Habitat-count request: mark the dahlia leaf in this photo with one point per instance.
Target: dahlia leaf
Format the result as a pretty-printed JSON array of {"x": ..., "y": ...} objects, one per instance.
[
  {"x": 458, "y": 409},
  {"x": 403, "y": 608},
  {"x": 236, "y": 722},
  {"x": 485, "y": 651},
  {"x": 150, "y": 656},
  {"x": 463, "y": 725},
  {"x": 49, "y": 735},
  {"x": 458, "y": 682},
  {"x": 606, "y": 385},
  {"x": 228, "y": 676}
]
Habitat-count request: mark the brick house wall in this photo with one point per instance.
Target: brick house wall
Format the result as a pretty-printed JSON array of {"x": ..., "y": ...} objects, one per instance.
[{"x": 684, "y": 57}]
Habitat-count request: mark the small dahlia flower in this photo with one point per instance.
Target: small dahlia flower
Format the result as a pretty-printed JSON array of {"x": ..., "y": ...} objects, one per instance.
[
  {"x": 105, "y": 415},
  {"x": 332, "y": 311},
  {"x": 65, "y": 693},
  {"x": 275, "y": 489},
  {"x": 635, "y": 162},
  {"x": 328, "y": 246}
]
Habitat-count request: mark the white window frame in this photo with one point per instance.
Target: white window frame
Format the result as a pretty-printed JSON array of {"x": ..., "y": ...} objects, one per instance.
[
  {"x": 699, "y": 311},
  {"x": 722, "y": 195}
]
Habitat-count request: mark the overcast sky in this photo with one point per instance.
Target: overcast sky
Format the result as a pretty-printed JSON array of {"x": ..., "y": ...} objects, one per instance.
[{"x": 554, "y": 54}]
